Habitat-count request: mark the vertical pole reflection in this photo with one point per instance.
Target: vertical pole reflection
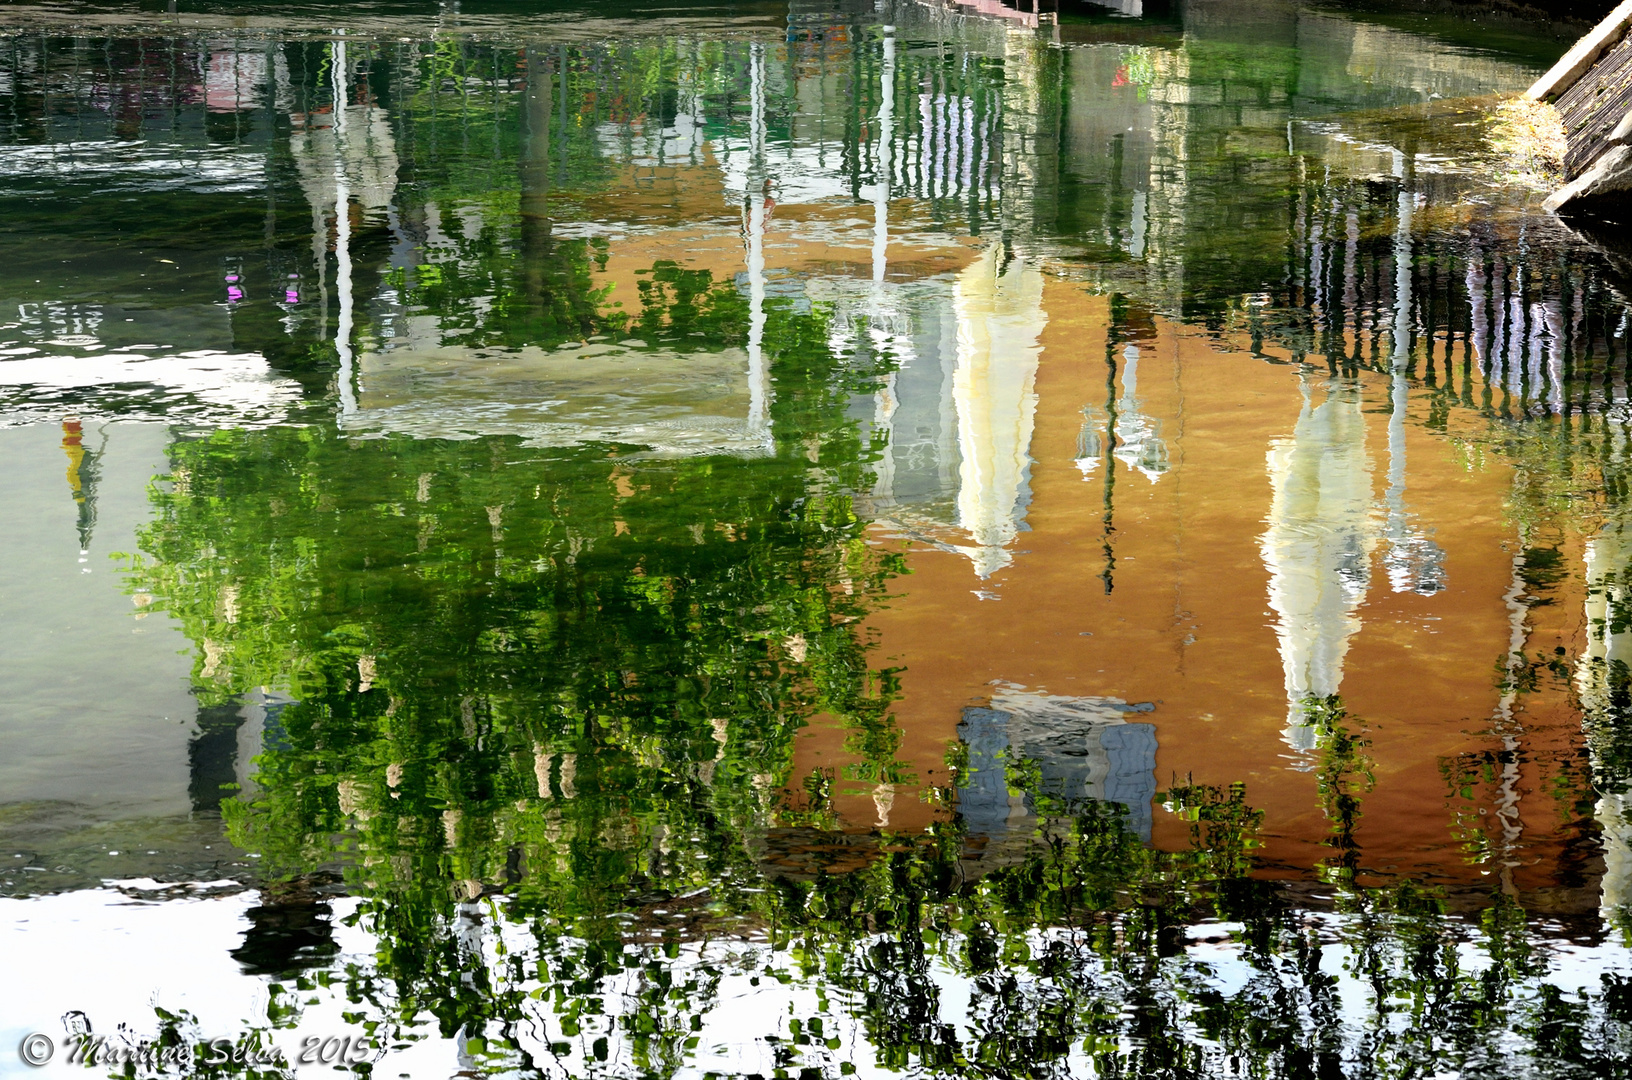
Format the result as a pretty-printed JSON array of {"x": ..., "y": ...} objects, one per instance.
[
  {"x": 535, "y": 181},
  {"x": 1509, "y": 728},
  {"x": 1113, "y": 337},
  {"x": 1351, "y": 280},
  {"x": 1399, "y": 390},
  {"x": 342, "y": 233},
  {"x": 1476, "y": 282},
  {"x": 886, "y": 133},
  {"x": 1414, "y": 563},
  {"x": 883, "y": 326},
  {"x": 759, "y": 203}
]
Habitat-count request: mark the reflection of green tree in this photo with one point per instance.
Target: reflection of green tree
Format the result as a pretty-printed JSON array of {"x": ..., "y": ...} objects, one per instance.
[
  {"x": 1342, "y": 775},
  {"x": 556, "y": 674},
  {"x": 485, "y": 298},
  {"x": 537, "y": 746}
]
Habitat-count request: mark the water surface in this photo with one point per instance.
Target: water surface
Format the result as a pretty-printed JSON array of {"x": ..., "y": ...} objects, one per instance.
[{"x": 806, "y": 540}]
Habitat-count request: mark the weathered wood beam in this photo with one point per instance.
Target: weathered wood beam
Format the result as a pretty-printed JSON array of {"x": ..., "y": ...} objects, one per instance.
[
  {"x": 1588, "y": 86},
  {"x": 1609, "y": 175},
  {"x": 1622, "y": 132},
  {"x": 1579, "y": 60}
]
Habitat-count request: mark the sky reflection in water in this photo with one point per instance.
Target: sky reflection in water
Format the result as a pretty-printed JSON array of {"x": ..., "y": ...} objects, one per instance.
[{"x": 794, "y": 540}]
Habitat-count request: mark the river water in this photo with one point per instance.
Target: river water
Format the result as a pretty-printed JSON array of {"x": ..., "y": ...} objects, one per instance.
[{"x": 805, "y": 539}]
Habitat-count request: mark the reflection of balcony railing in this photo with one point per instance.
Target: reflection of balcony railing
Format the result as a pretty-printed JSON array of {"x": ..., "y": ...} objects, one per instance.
[
  {"x": 1527, "y": 326},
  {"x": 1030, "y": 13}
]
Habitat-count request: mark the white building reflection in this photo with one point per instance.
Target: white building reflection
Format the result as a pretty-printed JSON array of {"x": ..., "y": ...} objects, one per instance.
[
  {"x": 999, "y": 309},
  {"x": 1414, "y": 562},
  {"x": 1324, "y": 524}
]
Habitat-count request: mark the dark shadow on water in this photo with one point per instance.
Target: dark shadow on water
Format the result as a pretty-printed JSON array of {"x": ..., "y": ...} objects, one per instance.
[{"x": 290, "y": 931}]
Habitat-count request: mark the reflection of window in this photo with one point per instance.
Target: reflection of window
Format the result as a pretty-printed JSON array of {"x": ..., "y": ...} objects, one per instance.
[
  {"x": 1415, "y": 564},
  {"x": 1138, "y": 437},
  {"x": 1090, "y": 446}
]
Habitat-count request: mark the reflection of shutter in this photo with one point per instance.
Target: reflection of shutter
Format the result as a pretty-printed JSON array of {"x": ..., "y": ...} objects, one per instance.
[
  {"x": 1083, "y": 750},
  {"x": 984, "y": 804},
  {"x": 1131, "y": 779}
]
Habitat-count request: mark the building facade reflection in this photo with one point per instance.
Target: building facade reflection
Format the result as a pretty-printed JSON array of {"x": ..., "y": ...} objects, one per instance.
[{"x": 578, "y": 242}]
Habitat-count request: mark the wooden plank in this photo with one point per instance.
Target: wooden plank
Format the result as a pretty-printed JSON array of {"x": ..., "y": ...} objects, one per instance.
[
  {"x": 1594, "y": 106},
  {"x": 1575, "y": 63}
]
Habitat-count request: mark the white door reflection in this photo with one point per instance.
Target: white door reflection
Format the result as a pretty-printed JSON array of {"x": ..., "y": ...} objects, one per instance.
[
  {"x": 1319, "y": 544},
  {"x": 998, "y": 300}
]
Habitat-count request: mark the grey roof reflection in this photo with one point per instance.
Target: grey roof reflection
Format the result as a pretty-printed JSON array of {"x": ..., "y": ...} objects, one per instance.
[
  {"x": 1085, "y": 748},
  {"x": 675, "y": 403}
]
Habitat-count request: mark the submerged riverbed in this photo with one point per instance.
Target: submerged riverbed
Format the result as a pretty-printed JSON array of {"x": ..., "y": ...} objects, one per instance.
[{"x": 805, "y": 539}]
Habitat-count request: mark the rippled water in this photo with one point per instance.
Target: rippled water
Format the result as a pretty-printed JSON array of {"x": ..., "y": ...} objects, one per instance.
[{"x": 805, "y": 540}]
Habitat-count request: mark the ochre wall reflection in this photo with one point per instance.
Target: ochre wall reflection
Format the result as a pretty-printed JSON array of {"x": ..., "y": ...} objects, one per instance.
[{"x": 1164, "y": 596}]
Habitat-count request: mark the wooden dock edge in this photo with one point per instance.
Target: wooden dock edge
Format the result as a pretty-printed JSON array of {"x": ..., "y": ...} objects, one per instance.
[{"x": 1610, "y": 173}]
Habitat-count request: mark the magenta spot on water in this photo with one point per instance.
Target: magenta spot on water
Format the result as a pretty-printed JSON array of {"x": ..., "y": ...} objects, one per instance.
[
  {"x": 234, "y": 293},
  {"x": 232, "y": 277},
  {"x": 291, "y": 296}
]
